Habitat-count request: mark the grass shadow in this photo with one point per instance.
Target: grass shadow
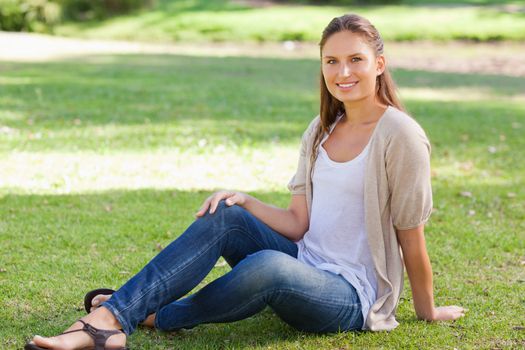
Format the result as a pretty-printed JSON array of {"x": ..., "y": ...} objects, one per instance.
[{"x": 147, "y": 102}]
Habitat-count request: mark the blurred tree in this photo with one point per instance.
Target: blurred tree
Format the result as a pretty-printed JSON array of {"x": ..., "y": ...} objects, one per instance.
[
  {"x": 343, "y": 2},
  {"x": 98, "y": 9},
  {"x": 29, "y": 15},
  {"x": 42, "y": 15}
]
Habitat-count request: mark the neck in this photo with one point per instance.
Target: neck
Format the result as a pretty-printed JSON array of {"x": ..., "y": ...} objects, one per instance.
[{"x": 364, "y": 112}]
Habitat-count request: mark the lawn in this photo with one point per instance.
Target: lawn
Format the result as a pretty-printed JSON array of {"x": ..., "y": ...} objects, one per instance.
[
  {"x": 104, "y": 160},
  {"x": 226, "y": 20}
]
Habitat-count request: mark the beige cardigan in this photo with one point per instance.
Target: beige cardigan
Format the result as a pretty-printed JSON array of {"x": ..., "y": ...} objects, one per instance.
[{"x": 398, "y": 195}]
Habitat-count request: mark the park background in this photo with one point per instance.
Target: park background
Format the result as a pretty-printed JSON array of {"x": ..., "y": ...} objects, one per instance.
[{"x": 118, "y": 118}]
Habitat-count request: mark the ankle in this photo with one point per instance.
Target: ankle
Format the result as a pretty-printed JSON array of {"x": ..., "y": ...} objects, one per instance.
[{"x": 104, "y": 318}]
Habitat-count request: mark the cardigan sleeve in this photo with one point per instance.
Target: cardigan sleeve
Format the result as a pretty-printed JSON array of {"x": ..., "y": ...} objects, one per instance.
[
  {"x": 297, "y": 184},
  {"x": 408, "y": 171}
]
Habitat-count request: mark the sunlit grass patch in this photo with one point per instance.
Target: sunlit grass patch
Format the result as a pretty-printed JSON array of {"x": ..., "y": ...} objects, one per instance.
[
  {"x": 455, "y": 94},
  {"x": 214, "y": 168}
]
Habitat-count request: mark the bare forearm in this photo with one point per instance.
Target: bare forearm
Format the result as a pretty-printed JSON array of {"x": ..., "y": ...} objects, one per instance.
[
  {"x": 419, "y": 271},
  {"x": 420, "y": 275},
  {"x": 284, "y": 221}
]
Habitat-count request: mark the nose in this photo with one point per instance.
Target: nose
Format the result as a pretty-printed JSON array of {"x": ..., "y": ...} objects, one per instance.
[{"x": 345, "y": 70}]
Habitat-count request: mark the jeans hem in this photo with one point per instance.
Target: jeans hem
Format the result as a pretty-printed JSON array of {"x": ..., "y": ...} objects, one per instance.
[{"x": 125, "y": 325}]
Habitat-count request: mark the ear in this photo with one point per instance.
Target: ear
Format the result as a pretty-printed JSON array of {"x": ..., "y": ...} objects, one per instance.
[{"x": 381, "y": 65}]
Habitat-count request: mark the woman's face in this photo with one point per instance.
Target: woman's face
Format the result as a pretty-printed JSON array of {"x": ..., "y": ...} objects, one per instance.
[{"x": 350, "y": 67}]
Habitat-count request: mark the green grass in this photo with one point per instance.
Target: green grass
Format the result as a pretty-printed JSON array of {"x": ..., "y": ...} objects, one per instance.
[
  {"x": 223, "y": 20},
  {"x": 103, "y": 158}
]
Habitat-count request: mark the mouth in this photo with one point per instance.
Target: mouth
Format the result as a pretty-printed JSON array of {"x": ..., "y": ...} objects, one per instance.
[{"x": 347, "y": 85}]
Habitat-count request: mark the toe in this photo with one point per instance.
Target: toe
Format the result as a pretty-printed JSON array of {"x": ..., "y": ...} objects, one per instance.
[
  {"x": 74, "y": 340},
  {"x": 99, "y": 299},
  {"x": 43, "y": 342}
]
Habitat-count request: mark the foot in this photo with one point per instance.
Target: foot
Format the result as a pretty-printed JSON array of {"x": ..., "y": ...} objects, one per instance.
[
  {"x": 149, "y": 321},
  {"x": 101, "y": 318},
  {"x": 99, "y": 299}
]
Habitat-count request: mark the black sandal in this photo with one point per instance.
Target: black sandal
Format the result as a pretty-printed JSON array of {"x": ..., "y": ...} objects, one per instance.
[
  {"x": 88, "y": 298},
  {"x": 99, "y": 336}
]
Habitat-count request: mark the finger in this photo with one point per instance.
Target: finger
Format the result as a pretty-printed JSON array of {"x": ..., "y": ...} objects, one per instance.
[
  {"x": 456, "y": 311},
  {"x": 201, "y": 211},
  {"x": 222, "y": 195},
  {"x": 458, "y": 308},
  {"x": 232, "y": 200},
  {"x": 204, "y": 207},
  {"x": 206, "y": 203},
  {"x": 456, "y": 316},
  {"x": 460, "y": 313},
  {"x": 215, "y": 202}
]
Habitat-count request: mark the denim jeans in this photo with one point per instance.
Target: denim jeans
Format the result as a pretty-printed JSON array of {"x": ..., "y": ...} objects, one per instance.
[{"x": 265, "y": 272}]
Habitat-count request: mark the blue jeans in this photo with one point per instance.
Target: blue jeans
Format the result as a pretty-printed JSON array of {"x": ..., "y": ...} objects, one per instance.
[{"x": 265, "y": 272}]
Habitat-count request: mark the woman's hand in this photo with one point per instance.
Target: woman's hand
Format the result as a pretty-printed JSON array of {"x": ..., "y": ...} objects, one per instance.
[
  {"x": 448, "y": 313},
  {"x": 212, "y": 201}
]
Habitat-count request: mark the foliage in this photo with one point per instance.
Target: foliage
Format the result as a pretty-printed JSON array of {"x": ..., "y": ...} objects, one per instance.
[
  {"x": 42, "y": 15},
  {"x": 98, "y": 9},
  {"x": 221, "y": 20},
  {"x": 28, "y": 15},
  {"x": 228, "y": 20},
  {"x": 342, "y": 2}
]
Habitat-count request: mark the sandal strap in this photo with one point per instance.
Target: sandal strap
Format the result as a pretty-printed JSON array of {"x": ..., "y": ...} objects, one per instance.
[
  {"x": 73, "y": 331},
  {"x": 99, "y": 336}
]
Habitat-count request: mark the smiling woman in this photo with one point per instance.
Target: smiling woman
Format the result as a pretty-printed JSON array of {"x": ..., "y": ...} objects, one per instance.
[
  {"x": 350, "y": 67},
  {"x": 331, "y": 261}
]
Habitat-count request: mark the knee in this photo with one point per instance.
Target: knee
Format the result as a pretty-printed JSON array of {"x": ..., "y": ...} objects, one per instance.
[
  {"x": 270, "y": 259},
  {"x": 227, "y": 214},
  {"x": 268, "y": 268}
]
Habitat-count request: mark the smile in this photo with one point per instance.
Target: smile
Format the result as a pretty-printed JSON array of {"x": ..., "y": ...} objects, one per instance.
[{"x": 346, "y": 85}]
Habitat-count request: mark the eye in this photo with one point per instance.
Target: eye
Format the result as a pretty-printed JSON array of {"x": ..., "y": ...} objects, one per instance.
[
  {"x": 356, "y": 59},
  {"x": 330, "y": 61}
]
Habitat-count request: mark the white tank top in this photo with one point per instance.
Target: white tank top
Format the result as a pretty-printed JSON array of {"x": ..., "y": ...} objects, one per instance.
[{"x": 336, "y": 240}]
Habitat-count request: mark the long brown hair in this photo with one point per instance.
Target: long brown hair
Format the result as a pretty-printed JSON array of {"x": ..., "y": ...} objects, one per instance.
[{"x": 330, "y": 107}]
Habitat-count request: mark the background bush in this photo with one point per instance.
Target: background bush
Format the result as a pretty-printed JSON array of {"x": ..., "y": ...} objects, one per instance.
[
  {"x": 42, "y": 15},
  {"x": 28, "y": 15},
  {"x": 343, "y": 2},
  {"x": 98, "y": 9}
]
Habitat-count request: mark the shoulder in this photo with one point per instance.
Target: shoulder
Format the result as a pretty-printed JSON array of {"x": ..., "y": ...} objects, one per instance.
[
  {"x": 314, "y": 124},
  {"x": 312, "y": 127},
  {"x": 397, "y": 125}
]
